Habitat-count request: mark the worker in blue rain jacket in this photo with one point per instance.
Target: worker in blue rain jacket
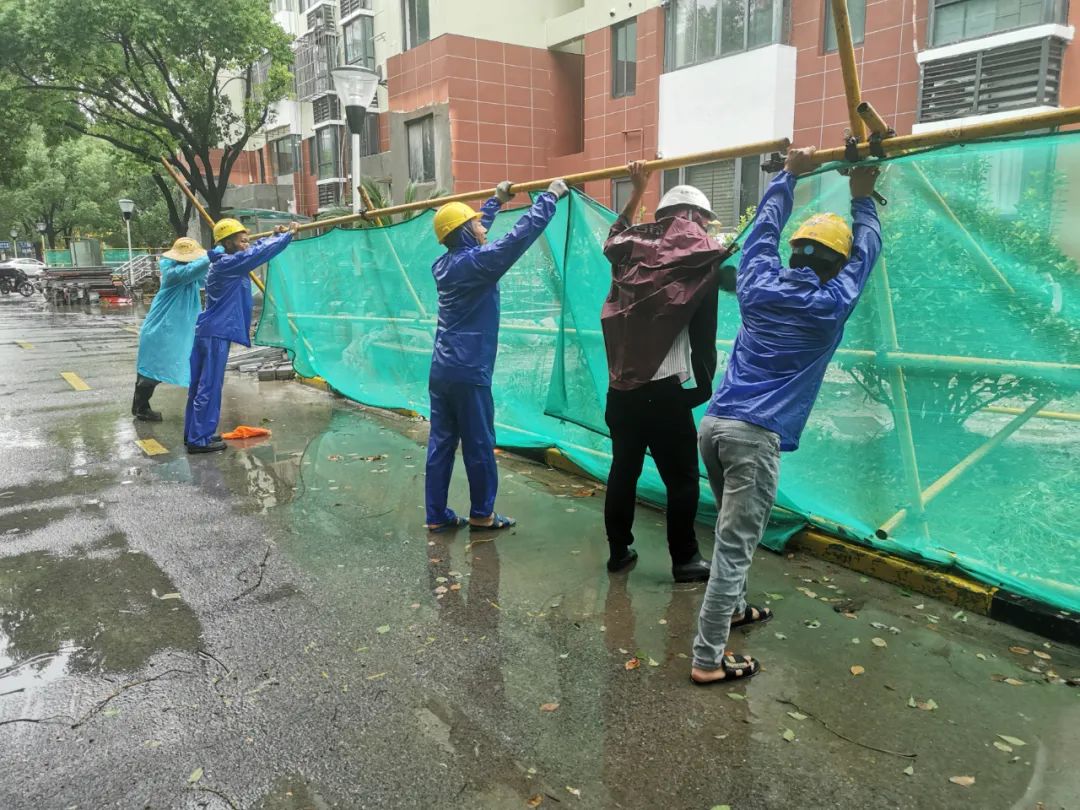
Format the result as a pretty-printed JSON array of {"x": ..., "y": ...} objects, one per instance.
[
  {"x": 169, "y": 328},
  {"x": 466, "y": 341},
  {"x": 792, "y": 322},
  {"x": 227, "y": 319}
]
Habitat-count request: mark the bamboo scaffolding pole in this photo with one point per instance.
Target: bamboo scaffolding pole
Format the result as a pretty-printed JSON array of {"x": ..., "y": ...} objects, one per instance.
[
  {"x": 959, "y": 134},
  {"x": 986, "y": 260},
  {"x": 1064, "y": 416},
  {"x": 845, "y": 48},
  {"x": 965, "y": 464},
  {"x": 901, "y": 412},
  {"x": 748, "y": 150},
  {"x": 397, "y": 259},
  {"x": 202, "y": 211},
  {"x": 873, "y": 120}
]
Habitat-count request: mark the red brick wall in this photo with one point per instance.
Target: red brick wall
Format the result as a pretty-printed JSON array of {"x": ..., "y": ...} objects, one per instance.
[
  {"x": 619, "y": 130},
  {"x": 1070, "y": 79},
  {"x": 887, "y": 69}
]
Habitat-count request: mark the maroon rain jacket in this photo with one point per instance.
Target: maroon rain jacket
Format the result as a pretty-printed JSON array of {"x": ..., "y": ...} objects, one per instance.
[{"x": 664, "y": 278}]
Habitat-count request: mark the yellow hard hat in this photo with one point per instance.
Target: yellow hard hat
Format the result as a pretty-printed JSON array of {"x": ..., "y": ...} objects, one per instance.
[
  {"x": 451, "y": 217},
  {"x": 226, "y": 228},
  {"x": 830, "y": 230}
]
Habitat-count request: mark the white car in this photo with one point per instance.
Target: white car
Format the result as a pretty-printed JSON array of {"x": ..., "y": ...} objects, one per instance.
[{"x": 32, "y": 267}]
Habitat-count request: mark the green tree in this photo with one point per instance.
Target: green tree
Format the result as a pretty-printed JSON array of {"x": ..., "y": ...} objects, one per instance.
[{"x": 183, "y": 79}]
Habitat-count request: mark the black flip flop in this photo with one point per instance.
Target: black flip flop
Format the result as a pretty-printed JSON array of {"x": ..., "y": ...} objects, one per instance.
[
  {"x": 498, "y": 524},
  {"x": 449, "y": 526},
  {"x": 735, "y": 670},
  {"x": 764, "y": 615}
]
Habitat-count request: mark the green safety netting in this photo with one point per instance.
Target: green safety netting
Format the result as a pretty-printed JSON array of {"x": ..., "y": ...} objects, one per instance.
[{"x": 946, "y": 429}]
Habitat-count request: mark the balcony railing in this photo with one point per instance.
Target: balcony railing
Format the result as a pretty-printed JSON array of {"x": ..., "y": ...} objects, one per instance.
[{"x": 1011, "y": 77}]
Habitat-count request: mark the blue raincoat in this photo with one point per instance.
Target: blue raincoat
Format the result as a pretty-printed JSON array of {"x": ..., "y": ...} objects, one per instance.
[
  {"x": 227, "y": 319},
  {"x": 228, "y": 289},
  {"x": 791, "y": 322},
  {"x": 168, "y": 332},
  {"x": 466, "y": 342}
]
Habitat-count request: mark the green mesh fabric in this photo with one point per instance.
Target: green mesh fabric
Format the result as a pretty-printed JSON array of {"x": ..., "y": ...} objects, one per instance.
[{"x": 947, "y": 427}]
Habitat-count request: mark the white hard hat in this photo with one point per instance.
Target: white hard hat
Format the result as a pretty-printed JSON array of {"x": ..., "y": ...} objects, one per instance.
[{"x": 685, "y": 195}]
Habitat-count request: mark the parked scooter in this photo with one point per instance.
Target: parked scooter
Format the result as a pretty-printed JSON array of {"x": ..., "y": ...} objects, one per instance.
[{"x": 14, "y": 280}]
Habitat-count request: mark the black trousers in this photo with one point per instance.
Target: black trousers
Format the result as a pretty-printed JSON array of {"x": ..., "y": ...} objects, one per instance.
[
  {"x": 144, "y": 389},
  {"x": 654, "y": 418}
]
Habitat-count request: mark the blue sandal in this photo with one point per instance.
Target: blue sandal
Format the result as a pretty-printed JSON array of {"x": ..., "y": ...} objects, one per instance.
[
  {"x": 449, "y": 526},
  {"x": 498, "y": 524}
]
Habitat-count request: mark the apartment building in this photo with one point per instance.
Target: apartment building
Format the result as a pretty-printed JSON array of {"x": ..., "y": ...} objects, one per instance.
[{"x": 481, "y": 90}]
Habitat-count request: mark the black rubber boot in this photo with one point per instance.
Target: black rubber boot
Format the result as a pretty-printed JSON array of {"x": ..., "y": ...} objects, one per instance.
[
  {"x": 213, "y": 447},
  {"x": 140, "y": 404}
]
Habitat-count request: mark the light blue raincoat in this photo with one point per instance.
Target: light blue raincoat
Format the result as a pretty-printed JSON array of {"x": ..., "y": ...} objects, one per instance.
[{"x": 168, "y": 332}]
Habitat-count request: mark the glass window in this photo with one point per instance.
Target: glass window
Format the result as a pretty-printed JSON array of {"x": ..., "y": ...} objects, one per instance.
[
  {"x": 360, "y": 42},
  {"x": 422, "y": 150},
  {"x": 621, "y": 190},
  {"x": 417, "y": 22},
  {"x": 286, "y": 155},
  {"x": 624, "y": 58},
  {"x": 702, "y": 30},
  {"x": 369, "y": 135},
  {"x": 327, "y": 148},
  {"x": 856, "y": 10},
  {"x": 956, "y": 20}
]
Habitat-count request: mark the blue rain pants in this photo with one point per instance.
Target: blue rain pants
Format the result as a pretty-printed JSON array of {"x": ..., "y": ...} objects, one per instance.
[
  {"x": 208, "y": 358},
  {"x": 461, "y": 413}
]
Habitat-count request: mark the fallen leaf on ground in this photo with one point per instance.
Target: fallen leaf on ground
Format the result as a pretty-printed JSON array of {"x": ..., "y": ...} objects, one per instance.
[
  {"x": 720, "y": 807},
  {"x": 780, "y": 636},
  {"x": 442, "y": 589},
  {"x": 1041, "y": 654},
  {"x": 854, "y": 641},
  {"x": 663, "y": 621},
  {"x": 383, "y": 630},
  {"x": 165, "y": 596},
  {"x": 456, "y": 586},
  {"x": 909, "y": 770},
  {"x": 196, "y": 775},
  {"x": 1011, "y": 740},
  {"x": 928, "y": 705},
  {"x": 857, "y": 670},
  {"x": 980, "y": 656},
  {"x": 788, "y": 735},
  {"x": 1013, "y": 682},
  {"x": 377, "y": 676},
  {"x": 633, "y": 663},
  {"x": 736, "y": 696},
  {"x": 1020, "y": 650},
  {"x": 549, "y": 707},
  {"x": 653, "y": 662},
  {"x": 535, "y": 801},
  {"x": 813, "y": 624},
  {"x": 879, "y": 642},
  {"x": 1000, "y": 746},
  {"x": 879, "y": 626},
  {"x": 776, "y": 597},
  {"x": 963, "y": 781},
  {"x": 796, "y": 715},
  {"x": 574, "y": 791}
]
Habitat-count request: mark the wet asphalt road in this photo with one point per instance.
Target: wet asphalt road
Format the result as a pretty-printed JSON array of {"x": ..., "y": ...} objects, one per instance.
[{"x": 272, "y": 628}]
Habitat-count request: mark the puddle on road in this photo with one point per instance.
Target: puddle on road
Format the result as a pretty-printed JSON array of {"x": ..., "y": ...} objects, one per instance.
[
  {"x": 293, "y": 793},
  {"x": 110, "y": 622}
]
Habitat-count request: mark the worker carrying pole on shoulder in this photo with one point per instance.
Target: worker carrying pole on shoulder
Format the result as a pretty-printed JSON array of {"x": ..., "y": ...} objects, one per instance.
[
  {"x": 466, "y": 342},
  {"x": 659, "y": 323},
  {"x": 168, "y": 331},
  {"x": 227, "y": 319},
  {"x": 792, "y": 322}
]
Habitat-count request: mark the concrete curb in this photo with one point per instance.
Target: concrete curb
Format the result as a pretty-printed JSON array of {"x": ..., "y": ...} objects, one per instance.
[{"x": 967, "y": 594}]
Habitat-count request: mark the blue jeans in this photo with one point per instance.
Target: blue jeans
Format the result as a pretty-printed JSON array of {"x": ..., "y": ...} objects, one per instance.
[
  {"x": 743, "y": 462},
  {"x": 461, "y": 413}
]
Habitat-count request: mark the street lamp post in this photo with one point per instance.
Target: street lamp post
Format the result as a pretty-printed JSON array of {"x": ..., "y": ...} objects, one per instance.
[
  {"x": 356, "y": 88},
  {"x": 14, "y": 241},
  {"x": 41, "y": 228},
  {"x": 127, "y": 208}
]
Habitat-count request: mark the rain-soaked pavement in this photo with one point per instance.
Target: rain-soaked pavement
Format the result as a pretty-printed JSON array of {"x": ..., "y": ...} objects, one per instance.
[{"x": 271, "y": 628}]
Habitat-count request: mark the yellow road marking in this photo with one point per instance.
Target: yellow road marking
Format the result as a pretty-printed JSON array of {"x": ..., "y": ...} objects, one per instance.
[
  {"x": 75, "y": 381},
  {"x": 22, "y": 344},
  {"x": 152, "y": 447}
]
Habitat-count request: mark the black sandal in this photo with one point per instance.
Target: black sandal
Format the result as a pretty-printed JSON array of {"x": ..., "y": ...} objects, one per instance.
[
  {"x": 763, "y": 615},
  {"x": 449, "y": 526},
  {"x": 734, "y": 670}
]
